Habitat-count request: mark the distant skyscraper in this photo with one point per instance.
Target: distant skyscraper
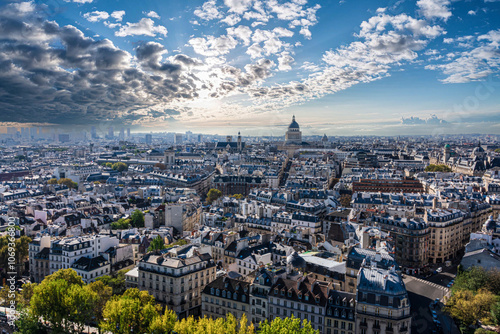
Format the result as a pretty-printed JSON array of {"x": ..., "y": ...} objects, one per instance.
[
  {"x": 121, "y": 136},
  {"x": 149, "y": 139},
  {"x": 111, "y": 133},
  {"x": 128, "y": 132},
  {"x": 33, "y": 133},
  {"x": 11, "y": 130},
  {"x": 178, "y": 138},
  {"x": 200, "y": 138},
  {"x": 93, "y": 132},
  {"x": 63, "y": 137}
]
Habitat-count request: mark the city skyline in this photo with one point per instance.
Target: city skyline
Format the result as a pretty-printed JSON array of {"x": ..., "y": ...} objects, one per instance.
[{"x": 425, "y": 67}]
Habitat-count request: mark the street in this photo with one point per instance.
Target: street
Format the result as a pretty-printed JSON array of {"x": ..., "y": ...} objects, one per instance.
[{"x": 421, "y": 293}]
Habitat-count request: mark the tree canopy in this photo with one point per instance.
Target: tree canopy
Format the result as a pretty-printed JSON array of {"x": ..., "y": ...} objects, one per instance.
[
  {"x": 475, "y": 297},
  {"x": 137, "y": 218},
  {"x": 156, "y": 244},
  {"x": 68, "y": 183},
  {"x": 120, "y": 166},
  {"x": 213, "y": 195},
  {"x": 437, "y": 168}
]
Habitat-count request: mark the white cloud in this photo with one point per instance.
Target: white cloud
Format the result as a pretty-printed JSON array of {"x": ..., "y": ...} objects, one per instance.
[
  {"x": 144, "y": 27},
  {"x": 153, "y": 14},
  {"x": 213, "y": 46},
  {"x": 472, "y": 12},
  {"x": 80, "y": 1},
  {"x": 285, "y": 61},
  {"x": 231, "y": 20},
  {"x": 475, "y": 64},
  {"x": 282, "y": 32},
  {"x": 238, "y": 6},
  {"x": 96, "y": 16},
  {"x": 255, "y": 51},
  {"x": 23, "y": 7},
  {"x": 432, "y": 9},
  {"x": 111, "y": 25},
  {"x": 118, "y": 15},
  {"x": 208, "y": 11},
  {"x": 241, "y": 32}
]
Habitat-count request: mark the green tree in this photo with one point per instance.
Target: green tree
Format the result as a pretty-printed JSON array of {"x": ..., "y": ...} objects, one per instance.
[
  {"x": 137, "y": 218},
  {"x": 28, "y": 323},
  {"x": 238, "y": 196},
  {"x": 437, "y": 168},
  {"x": 116, "y": 281},
  {"x": 468, "y": 307},
  {"x": 120, "y": 166},
  {"x": 483, "y": 331},
  {"x": 121, "y": 224},
  {"x": 21, "y": 247},
  {"x": 229, "y": 325},
  {"x": 287, "y": 325},
  {"x": 213, "y": 195},
  {"x": 104, "y": 293},
  {"x": 52, "y": 181},
  {"x": 163, "y": 323},
  {"x": 156, "y": 244},
  {"x": 64, "y": 301},
  {"x": 108, "y": 164},
  {"x": 68, "y": 183},
  {"x": 473, "y": 279},
  {"x": 495, "y": 313},
  {"x": 133, "y": 311}
]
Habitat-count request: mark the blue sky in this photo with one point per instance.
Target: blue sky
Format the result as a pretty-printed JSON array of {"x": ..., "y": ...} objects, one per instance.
[{"x": 218, "y": 66}]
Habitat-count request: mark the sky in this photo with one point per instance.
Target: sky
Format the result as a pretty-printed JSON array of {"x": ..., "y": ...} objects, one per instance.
[{"x": 348, "y": 67}]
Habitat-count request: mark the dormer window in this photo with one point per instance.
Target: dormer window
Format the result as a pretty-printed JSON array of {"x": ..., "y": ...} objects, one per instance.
[
  {"x": 228, "y": 294},
  {"x": 336, "y": 313},
  {"x": 217, "y": 292},
  {"x": 275, "y": 291},
  {"x": 211, "y": 291},
  {"x": 317, "y": 299},
  {"x": 283, "y": 292},
  {"x": 289, "y": 293},
  {"x": 300, "y": 295},
  {"x": 307, "y": 297}
]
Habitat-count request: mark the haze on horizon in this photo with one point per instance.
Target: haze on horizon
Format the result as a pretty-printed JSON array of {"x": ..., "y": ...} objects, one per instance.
[{"x": 218, "y": 66}]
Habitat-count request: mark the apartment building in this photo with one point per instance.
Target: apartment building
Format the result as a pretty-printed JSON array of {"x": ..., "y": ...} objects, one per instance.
[
  {"x": 48, "y": 254},
  {"x": 305, "y": 298},
  {"x": 226, "y": 295},
  {"x": 447, "y": 233},
  {"x": 382, "y": 304},
  {"x": 340, "y": 315},
  {"x": 177, "y": 278},
  {"x": 410, "y": 238}
]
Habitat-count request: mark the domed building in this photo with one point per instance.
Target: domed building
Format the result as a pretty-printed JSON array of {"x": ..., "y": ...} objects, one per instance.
[{"x": 293, "y": 136}]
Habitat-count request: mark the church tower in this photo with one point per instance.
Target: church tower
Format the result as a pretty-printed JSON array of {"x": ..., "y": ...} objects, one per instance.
[
  {"x": 239, "y": 142},
  {"x": 293, "y": 136}
]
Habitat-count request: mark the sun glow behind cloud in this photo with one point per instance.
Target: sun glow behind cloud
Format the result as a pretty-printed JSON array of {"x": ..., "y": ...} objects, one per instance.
[{"x": 245, "y": 61}]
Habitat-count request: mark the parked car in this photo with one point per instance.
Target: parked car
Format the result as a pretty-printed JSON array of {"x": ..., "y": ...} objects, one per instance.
[{"x": 440, "y": 269}]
